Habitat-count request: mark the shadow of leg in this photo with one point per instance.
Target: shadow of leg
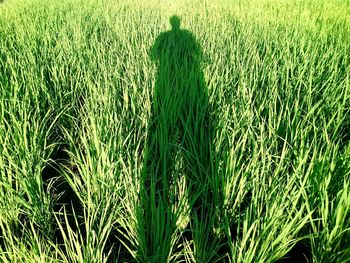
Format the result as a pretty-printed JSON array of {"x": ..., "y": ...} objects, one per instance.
[{"x": 158, "y": 222}]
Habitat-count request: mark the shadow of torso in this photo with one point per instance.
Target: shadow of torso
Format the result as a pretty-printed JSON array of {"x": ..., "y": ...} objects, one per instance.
[{"x": 179, "y": 85}]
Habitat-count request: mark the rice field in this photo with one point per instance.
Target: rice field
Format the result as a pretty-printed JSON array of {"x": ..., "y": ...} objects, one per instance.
[{"x": 175, "y": 131}]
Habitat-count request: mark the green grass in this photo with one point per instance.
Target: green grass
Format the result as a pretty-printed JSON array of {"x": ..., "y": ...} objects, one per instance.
[{"x": 258, "y": 170}]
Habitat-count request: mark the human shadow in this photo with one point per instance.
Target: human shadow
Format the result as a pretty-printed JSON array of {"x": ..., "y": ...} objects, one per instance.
[{"x": 180, "y": 122}]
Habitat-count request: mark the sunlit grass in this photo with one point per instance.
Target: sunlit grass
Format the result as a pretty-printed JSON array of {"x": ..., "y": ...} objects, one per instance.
[{"x": 76, "y": 78}]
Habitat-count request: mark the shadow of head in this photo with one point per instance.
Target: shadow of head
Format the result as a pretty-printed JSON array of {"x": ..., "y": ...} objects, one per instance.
[{"x": 174, "y": 21}]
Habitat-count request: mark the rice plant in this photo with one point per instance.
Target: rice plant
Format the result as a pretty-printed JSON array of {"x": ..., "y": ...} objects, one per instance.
[{"x": 175, "y": 131}]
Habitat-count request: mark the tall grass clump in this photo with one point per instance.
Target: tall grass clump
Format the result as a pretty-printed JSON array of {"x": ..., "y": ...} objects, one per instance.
[{"x": 221, "y": 135}]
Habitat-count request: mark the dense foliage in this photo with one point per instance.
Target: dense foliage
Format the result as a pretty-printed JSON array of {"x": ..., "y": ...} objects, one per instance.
[{"x": 264, "y": 128}]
